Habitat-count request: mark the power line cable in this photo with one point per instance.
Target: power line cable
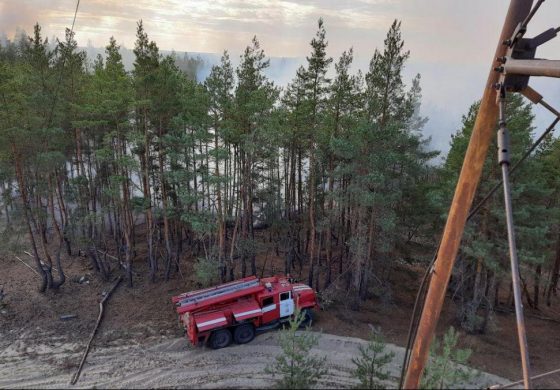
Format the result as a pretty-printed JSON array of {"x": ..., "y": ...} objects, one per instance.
[
  {"x": 509, "y": 385},
  {"x": 499, "y": 184},
  {"x": 531, "y": 14}
]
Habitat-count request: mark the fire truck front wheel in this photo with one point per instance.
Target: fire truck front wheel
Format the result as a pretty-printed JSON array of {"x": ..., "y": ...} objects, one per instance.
[
  {"x": 220, "y": 339},
  {"x": 244, "y": 333}
]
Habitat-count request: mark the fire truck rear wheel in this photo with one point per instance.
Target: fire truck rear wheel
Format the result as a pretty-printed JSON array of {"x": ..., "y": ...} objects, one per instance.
[
  {"x": 220, "y": 339},
  {"x": 244, "y": 333},
  {"x": 307, "y": 318}
]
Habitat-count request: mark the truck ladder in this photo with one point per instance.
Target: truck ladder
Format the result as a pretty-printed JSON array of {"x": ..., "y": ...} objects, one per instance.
[{"x": 217, "y": 292}]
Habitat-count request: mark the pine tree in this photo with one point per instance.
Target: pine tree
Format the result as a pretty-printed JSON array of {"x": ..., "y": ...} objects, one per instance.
[
  {"x": 548, "y": 155},
  {"x": 253, "y": 104},
  {"x": 219, "y": 86},
  {"x": 344, "y": 107},
  {"x": 188, "y": 171},
  {"x": 446, "y": 368},
  {"x": 31, "y": 146},
  {"x": 295, "y": 366},
  {"x": 166, "y": 106},
  {"x": 316, "y": 88},
  {"x": 484, "y": 261},
  {"x": 381, "y": 156},
  {"x": 371, "y": 362},
  {"x": 385, "y": 94},
  {"x": 145, "y": 67},
  {"x": 294, "y": 143},
  {"x": 108, "y": 111}
]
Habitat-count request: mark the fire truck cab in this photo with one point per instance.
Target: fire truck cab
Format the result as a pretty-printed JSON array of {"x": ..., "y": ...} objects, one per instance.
[{"x": 236, "y": 311}]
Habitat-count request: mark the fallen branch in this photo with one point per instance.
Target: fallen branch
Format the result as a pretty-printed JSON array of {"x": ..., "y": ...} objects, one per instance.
[
  {"x": 121, "y": 263},
  {"x": 42, "y": 263},
  {"x": 108, "y": 255},
  {"x": 99, "y": 318},
  {"x": 28, "y": 266},
  {"x": 529, "y": 315}
]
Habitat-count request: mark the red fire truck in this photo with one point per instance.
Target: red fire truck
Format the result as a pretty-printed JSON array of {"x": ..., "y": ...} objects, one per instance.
[{"x": 239, "y": 309}]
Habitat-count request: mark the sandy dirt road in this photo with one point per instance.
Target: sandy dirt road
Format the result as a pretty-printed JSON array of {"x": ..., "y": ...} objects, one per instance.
[{"x": 161, "y": 361}]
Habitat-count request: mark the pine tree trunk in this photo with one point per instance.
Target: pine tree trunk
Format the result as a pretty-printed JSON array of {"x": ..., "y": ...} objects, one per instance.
[
  {"x": 536, "y": 287},
  {"x": 127, "y": 221},
  {"x": 300, "y": 184},
  {"x": 63, "y": 211},
  {"x": 552, "y": 286},
  {"x": 27, "y": 213},
  {"x": 62, "y": 276},
  {"x": 367, "y": 266},
  {"x": 145, "y": 165},
  {"x": 164, "y": 205},
  {"x": 330, "y": 207},
  {"x": 221, "y": 231},
  {"x": 312, "y": 191},
  {"x": 234, "y": 240}
]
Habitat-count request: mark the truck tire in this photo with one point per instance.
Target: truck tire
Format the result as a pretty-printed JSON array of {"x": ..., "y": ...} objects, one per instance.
[
  {"x": 307, "y": 318},
  {"x": 220, "y": 339},
  {"x": 244, "y": 333}
]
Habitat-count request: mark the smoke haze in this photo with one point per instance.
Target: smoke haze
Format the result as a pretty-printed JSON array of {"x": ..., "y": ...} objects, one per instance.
[{"x": 451, "y": 42}]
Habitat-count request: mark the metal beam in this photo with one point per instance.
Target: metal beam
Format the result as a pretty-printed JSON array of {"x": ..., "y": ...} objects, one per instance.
[
  {"x": 504, "y": 161},
  {"x": 536, "y": 67},
  {"x": 473, "y": 163}
]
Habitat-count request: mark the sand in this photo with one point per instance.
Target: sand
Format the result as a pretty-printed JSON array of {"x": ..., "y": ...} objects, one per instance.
[{"x": 163, "y": 361}]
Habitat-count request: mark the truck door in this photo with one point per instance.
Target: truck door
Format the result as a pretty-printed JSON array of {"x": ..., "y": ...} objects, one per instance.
[
  {"x": 286, "y": 304},
  {"x": 269, "y": 310}
]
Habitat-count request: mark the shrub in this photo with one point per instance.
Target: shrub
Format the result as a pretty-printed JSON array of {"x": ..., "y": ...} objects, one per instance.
[{"x": 207, "y": 271}]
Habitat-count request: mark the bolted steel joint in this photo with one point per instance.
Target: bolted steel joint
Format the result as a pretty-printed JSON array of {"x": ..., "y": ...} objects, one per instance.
[{"x": 503, "y": 144}]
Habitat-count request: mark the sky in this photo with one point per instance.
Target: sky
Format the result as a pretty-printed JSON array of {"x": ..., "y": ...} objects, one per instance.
[{"x": 451, "y": 42}]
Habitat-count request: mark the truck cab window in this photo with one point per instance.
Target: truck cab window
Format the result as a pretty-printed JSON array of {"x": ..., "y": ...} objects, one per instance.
[
  {"x": 285, "y": 296},
  {"x": 267, "y": 301}
]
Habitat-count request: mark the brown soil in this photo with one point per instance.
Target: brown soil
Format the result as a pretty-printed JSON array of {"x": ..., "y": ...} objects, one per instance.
[{"x": 146, "y": 311}]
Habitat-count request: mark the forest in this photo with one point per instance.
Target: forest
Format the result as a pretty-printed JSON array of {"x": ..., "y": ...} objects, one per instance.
[{"x": 331, "y": 173}]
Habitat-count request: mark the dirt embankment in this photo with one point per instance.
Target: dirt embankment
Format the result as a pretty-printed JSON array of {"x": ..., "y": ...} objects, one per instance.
[{"x": 161, "y": 361}]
